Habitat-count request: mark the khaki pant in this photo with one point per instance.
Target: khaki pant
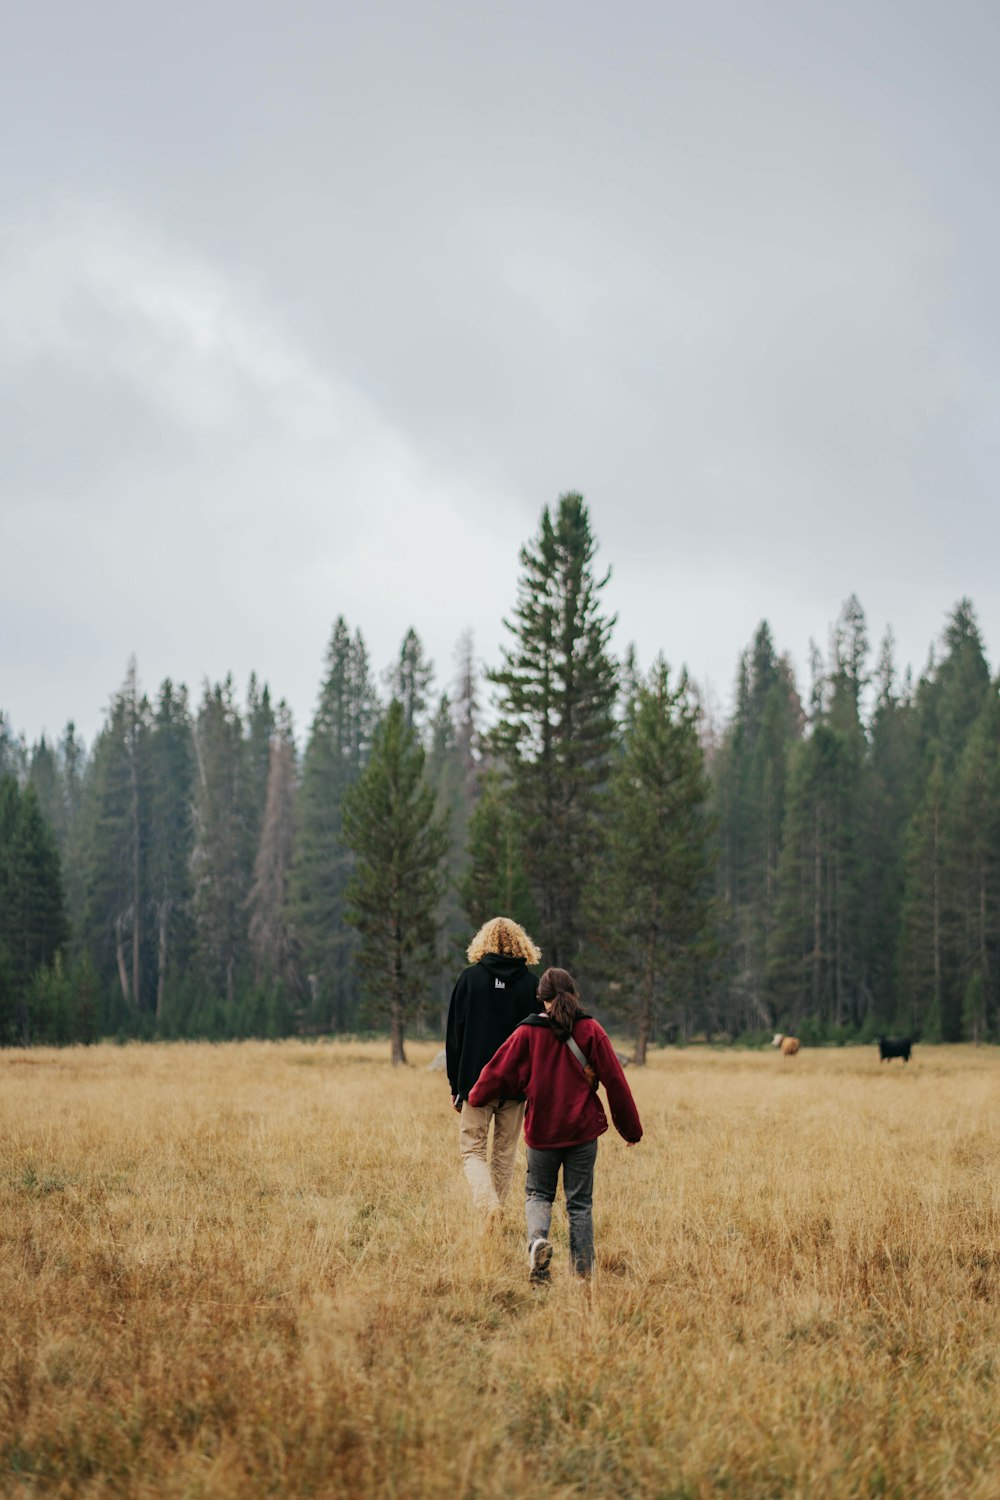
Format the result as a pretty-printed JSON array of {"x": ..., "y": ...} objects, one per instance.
[{"x": 490, "y": 1182}]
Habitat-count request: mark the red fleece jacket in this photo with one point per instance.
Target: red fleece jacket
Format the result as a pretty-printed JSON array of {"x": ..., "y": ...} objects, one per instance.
[{"x": 562, "y": 1110}]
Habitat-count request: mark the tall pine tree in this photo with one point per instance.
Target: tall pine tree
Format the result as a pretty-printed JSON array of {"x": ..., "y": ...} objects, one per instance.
[
  {"x": 272, "y": 944},
  {"x": 410, "y": 680},
  {"x": 336, "y": 753},
  {"x": 446, "y": 774},
  {"x": 893, "y": 761},
  {"x": 973, "y": 832},
  {"x": 224, "y": 845},
  {"x": 33, "y": 928},
  {"x": 660, "y": 860},
  {"x": 13, "y": 755},
  {"x": 950, "y": 697},
  {"x": 749, "y": 790},
  {"x": 115, "y": 819},
  {"x": 820, "y": 953},
  {"x": 555, "y": 697},
  {"x": 400, "y": 845},
  {"x": 171, "y": 761}
]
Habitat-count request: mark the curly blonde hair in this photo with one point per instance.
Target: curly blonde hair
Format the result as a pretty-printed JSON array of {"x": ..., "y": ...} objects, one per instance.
[{"x": 502, "y": 935}]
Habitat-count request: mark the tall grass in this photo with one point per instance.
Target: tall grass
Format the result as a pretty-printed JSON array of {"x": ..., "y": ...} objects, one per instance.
[{"x": 253, "y": 1269}]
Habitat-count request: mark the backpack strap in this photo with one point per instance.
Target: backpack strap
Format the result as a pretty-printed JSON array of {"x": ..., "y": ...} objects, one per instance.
[{"x": 587, "y": 1067}]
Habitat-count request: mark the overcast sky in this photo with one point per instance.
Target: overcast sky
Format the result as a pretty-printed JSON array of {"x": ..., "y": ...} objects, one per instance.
[{"x": 309, "y": 308}]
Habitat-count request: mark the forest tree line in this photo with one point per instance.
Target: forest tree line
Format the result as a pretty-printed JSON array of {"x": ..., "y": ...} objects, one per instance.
[{"x": 826, "y": 862}]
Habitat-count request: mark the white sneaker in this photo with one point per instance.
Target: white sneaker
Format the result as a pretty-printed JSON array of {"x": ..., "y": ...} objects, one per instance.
[{"x": 539, "y": 1256}]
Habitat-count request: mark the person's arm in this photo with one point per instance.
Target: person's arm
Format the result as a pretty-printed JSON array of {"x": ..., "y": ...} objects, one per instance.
[
  {"x": 506, "y": 1074},
  {"x": 609, "y": 1072},
  {"x": 454, "y": 1037}
]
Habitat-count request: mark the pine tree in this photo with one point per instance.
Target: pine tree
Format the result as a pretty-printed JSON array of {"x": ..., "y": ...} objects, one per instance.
[
  {"x": 73, "y": 766},
  {"x": 10, "y": 1016},
  {"x": 171, "y": 760},
  {"x": 659, "y": 866},
  {"x": 410, "y": 681},
  {"x": 556, "y": 694},
  {"x": 33, "y": 928},
  {"x": 13, "y": 753},
  {"x": 271, "y": 942},
  {"x": 44, "y": 775},
  {"x": 819, "y": 962},
  {"x": 749, "y": 791},
  {"x": 470, "y": 768},
  {"x": 73, "y": 762},
  {"x": 893, "y": 761},
  {"x": 951, "y": 695},
  {"x": 973, "y": 868},
  {"x": 49, "y": 1006},
  {"x": 222, "y": 860},
  {"x": 115, "y": 832},
  {"x": 85, "y": 1001},
  {"x": 799, "y": 964},
  {"x": 496, "y": 881},
  {"x": 922, "y": 962},
  {"x": 336, "y": 753},
  {"x": 466, "y": 716},
  {"x": 445, "y": 772},
  {"x": 260, "y": 724},
  {"x": 629, "y": 686},
  {"x": 400, "y": 845},
  {"x": 851, "y": 915}
]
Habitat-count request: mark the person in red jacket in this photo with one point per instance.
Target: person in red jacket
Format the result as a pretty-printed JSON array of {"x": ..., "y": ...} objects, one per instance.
[{"x": 564, "y": 1117}]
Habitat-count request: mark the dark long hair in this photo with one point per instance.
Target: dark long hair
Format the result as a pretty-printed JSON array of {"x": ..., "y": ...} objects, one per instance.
[{"x": 559, "y": 986}]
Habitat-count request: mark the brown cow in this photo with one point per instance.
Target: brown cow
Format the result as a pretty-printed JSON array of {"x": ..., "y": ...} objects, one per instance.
[{"x": 787, "y": 1045}]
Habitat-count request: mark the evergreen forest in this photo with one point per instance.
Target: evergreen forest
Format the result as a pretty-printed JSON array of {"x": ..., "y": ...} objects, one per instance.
[{"x": 826, "y": 862}]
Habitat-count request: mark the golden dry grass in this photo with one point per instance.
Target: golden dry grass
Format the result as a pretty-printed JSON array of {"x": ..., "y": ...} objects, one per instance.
[{"x": 253, "y": 1270}]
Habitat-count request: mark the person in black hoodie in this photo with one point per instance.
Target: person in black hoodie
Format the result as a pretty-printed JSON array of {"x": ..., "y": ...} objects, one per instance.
[{"x": 489, "y": 1000}]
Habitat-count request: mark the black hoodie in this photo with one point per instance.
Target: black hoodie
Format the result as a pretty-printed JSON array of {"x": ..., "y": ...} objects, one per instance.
[{"x": 489, "y": 1000}]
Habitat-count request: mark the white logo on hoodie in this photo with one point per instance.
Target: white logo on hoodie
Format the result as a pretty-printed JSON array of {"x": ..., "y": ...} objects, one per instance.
[{"x": 498, "y": 984}]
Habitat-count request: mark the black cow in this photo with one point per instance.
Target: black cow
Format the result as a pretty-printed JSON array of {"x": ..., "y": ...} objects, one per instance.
[{"x": 894, "y": 1046}]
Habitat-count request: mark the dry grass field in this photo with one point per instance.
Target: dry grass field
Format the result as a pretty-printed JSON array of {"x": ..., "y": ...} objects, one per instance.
[{"x": 252, "y": 1269}]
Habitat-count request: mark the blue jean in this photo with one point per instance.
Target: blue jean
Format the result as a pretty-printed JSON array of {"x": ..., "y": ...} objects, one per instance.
[{"x": 577, "y": 1163}]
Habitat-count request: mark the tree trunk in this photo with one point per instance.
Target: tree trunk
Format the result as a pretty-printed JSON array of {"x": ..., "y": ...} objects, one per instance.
[
  {"x": 984, "y": 954},
  {"x": 396, "y": 1049},
  {"x": 838, "y": 1015},
  {"x": 817, "y": 915},
  {"x": 646, "y": 1001},
  {"x": 510, "y": 855},
  {"x": 162, "y": 915},
  {"x": 120, "y": 957},
  {"x": 23, "y": 1013},
  {"x": 937, "y": 927},
  {"x": 136, "y": 903}
]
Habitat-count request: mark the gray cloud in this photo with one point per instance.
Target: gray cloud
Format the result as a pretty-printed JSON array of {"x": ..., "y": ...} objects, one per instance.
[{"x": 311, "y": 312}]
